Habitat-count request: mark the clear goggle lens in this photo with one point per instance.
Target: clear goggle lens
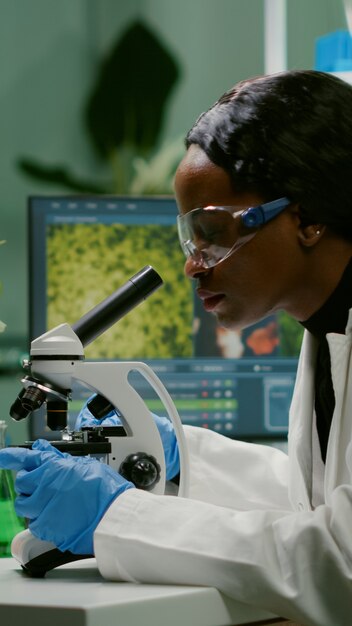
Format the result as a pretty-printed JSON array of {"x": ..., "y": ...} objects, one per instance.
[{"x": 209, "y": 235}]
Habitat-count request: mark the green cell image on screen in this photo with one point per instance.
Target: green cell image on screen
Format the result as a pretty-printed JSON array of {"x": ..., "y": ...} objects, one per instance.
[{"x": 87, "y": 262}]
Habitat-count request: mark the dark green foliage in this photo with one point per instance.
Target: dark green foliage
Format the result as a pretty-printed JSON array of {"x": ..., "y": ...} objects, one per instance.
[
  {"x": 58, "y": 175},
  {"x": 128, "y": 101}
]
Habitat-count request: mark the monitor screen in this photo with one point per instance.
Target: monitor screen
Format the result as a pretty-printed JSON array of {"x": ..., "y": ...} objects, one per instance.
[{"x": 84, "y": 248}]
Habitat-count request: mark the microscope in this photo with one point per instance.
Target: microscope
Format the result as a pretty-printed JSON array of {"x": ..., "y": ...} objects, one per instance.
[{"x": 134, "y": 448}]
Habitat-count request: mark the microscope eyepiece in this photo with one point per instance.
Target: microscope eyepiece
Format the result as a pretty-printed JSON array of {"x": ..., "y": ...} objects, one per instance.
[{"x": 115, "y": 306}]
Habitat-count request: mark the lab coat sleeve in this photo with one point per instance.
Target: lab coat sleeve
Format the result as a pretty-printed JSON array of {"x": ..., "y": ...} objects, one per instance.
[
  {"x": 236, "y": 474},
  {"x": 237, "y": 532},
  {"x": 295, "y": 564}
]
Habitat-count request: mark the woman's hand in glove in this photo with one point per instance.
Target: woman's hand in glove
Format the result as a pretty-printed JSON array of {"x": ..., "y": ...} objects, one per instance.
[
  {"x": 63, "y": 497},
  {"x": 163, "y": 424}
]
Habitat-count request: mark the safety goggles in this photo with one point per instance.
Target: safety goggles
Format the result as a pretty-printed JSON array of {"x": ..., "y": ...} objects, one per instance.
[{"x": 209, "y": 235}]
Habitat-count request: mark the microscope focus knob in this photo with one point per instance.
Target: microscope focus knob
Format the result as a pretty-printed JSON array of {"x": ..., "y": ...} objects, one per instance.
[{"x": 141, "y": 469}]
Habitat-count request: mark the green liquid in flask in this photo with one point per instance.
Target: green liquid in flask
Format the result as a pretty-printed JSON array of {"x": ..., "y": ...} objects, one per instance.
[{"x": 10, "y": 523}]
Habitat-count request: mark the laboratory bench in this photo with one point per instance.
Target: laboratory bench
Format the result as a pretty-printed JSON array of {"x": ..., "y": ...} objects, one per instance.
[{"x": 77, "y": 595}]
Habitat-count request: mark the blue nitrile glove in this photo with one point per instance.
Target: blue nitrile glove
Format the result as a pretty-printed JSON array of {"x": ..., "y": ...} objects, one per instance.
[
  {"x": 164, "y": 426},
  {"x": 63, "y": 497}
]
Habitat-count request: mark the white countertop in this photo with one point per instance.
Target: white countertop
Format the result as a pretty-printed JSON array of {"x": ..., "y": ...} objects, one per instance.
[{"x": 77, "y": 595}]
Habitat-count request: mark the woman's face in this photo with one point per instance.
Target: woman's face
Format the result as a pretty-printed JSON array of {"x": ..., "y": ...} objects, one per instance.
[{"x": 258, "y": 278}]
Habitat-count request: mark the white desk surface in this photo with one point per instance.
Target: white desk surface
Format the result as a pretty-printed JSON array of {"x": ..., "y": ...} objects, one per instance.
[{"x": 77, "y": 595}]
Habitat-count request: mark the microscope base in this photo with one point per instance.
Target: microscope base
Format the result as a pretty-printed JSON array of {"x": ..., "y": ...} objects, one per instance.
[{"x": 38, "y": 557}]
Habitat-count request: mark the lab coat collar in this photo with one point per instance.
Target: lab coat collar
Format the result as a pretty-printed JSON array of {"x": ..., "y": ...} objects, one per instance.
[
  {"x": 302, "y": 413},
  {"x": 300, "y": 426},
  {"x": 340, "y": 347}
]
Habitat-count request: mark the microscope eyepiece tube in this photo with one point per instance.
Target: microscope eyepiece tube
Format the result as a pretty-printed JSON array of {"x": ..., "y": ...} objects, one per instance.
[{"x": 115, "y": 306}]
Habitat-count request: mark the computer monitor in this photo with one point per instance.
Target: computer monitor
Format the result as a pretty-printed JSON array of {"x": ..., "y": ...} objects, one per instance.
[{"x": 81, "y": 249}]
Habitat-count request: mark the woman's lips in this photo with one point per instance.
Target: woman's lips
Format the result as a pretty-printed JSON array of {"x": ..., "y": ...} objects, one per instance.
[{"x": 210, "y": 299}]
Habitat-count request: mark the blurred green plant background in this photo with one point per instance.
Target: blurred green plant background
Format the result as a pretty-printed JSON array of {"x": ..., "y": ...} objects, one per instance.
[{"x": 123, "y": 117}]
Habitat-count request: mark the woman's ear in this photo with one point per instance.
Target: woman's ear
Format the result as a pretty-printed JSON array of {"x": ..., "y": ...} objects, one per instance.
[
  {"x": 308, "y": 234},
  {"x": 311, "y": 234}
]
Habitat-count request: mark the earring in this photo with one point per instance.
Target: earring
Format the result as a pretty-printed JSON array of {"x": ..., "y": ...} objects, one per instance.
[{"x": 317, "y": 232}]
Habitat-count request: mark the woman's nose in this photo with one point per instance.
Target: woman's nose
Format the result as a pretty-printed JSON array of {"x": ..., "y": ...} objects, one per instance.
[{"x": 194, "y": 267}]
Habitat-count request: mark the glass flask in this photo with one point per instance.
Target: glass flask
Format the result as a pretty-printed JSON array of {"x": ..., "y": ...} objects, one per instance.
[{"x": 10, "y": 523}]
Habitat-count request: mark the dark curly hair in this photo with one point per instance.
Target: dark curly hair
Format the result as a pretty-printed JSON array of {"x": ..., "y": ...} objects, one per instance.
[{"x": 286, "y": 134}]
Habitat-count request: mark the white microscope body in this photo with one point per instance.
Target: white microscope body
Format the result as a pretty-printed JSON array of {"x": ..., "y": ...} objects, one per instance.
[{"x": 56, "y": 363}]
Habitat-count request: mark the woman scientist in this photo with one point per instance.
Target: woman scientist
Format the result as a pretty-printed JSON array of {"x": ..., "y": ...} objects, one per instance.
[{"x": 265, "y": 200}]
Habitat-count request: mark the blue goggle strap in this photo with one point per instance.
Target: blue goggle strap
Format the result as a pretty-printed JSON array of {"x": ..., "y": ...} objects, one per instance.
[{"x": 259, "y": 215}]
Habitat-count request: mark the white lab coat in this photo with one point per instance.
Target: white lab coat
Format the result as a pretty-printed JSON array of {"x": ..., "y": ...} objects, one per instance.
[{"x": 268, "y": 529}]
